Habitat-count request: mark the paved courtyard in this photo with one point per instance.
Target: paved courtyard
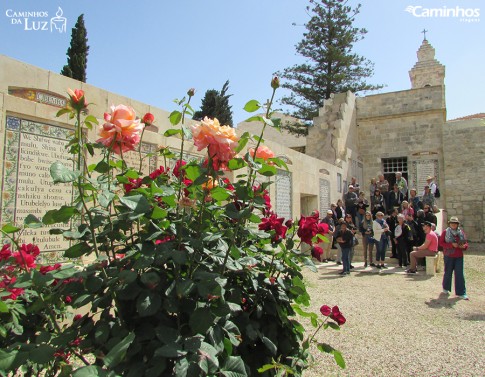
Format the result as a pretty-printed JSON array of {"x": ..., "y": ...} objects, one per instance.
[{"x": 399, "y": 324}]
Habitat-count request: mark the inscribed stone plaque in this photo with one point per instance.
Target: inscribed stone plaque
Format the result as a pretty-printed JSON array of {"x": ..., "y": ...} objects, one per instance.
[
  {"x": 283, "y": 194},
  {"x": 324, "y": 196},
  {"x": 421, "y": 170},
  {"x": 148, "y": 163},
  {"x": 27, "y": 188}
]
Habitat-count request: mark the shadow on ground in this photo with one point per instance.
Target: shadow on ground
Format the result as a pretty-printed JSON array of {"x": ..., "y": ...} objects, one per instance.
[{"x": 443, "y": 301}]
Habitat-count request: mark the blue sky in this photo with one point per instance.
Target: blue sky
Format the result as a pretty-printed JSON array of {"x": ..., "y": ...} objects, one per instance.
[{"x": 154, "y": 50}]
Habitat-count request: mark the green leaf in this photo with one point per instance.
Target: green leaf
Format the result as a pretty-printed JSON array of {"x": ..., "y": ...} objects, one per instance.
[
  {"x": 333, "y": 325},
  {"x": 137, "y": 203},
  {"x": 267, "y": 170},
  {"x": 41, "y": 354},
  {"x": 102, "y": 167},
  {"x": 172, "y": 132},
  {"x": 91, "y": 119},
  {"x": 148, "y": 303},
  {"x": 90, "y": 371},
  {"x": 175, "y": 117},
  {"x": 171, "y": 350},
  {"x": 61, "y": 215},
  {"x": 270, "y": 345},
  {"x": 252, "y": 106},
  {"x": 118, "y": 352},
  {"x": 158, "y": 213},
  {"x": 339, "y": 359},
  {"x": 12, "y": 360},
  {"x": 61, "y": 174},
  {"x": 324, "y": 347},
  {"x": 77, "y": 250},
  {"x": 236, "y": 163},
  {"x": 32, "y": 222},
  {"x": 255, "y": 218},
  {"x": 220, "y": 194},
  {"x": 63, "y": 111},
  {"x": 255, "y": 118},
  {"x": 3, "y": 307},
  {"x": 9, "y": 228},
  {"x": 150, "y": 279},
  {"x": 241, "y": 144},
  {"x": 200, "y": 320}
]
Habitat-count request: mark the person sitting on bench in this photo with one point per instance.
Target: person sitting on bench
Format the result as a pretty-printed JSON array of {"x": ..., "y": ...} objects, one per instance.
[{"x": 428, "y": 249}]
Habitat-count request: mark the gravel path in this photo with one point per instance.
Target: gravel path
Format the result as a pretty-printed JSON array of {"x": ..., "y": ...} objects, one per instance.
[{"x": 400, "y": 325}]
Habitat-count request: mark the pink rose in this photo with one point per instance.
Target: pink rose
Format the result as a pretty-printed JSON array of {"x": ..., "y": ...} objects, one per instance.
[
  {"x": 262, "y": 152},
  {"x": 121, "y": 132},
  {"x": 221, "y": 141}
]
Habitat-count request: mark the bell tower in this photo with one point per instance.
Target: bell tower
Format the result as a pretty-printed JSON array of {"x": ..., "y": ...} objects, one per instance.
[{"x": 427, "y": 71}]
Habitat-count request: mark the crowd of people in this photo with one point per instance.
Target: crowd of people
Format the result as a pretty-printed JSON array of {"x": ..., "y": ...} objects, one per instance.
[{"x": 398, "y": 220}]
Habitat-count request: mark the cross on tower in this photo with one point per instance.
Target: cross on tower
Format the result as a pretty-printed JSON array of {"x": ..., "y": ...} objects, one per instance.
[{"x": 424, "y": 32}]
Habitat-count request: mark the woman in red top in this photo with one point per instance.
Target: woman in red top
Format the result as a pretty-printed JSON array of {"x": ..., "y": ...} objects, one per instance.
[{"x": 453, "y": 240}]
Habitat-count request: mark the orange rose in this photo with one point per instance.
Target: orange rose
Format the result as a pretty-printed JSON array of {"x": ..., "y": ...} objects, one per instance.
[
  {"x": 221, "y": 141},
  {"x": 263, "y": 152},
  {"x": 77, "y": 99},
  {"x": 122, "y": 130}
]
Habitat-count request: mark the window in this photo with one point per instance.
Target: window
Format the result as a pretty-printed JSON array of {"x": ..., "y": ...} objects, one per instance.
[{"x": 393, "y": 165}]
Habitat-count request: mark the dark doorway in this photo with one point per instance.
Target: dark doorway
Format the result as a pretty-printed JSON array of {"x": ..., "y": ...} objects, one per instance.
[{"x": 390, "y": 166}]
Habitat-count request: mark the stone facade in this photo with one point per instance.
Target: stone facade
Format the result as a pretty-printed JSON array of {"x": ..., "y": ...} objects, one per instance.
[{"x": 464, "y": 164}]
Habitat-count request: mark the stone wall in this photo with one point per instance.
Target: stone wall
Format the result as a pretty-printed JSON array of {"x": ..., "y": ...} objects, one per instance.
[
  {"x": 464, "y": 146},
  {"x": 402, "y": 124},
  {"x": 32, "y": 137}
]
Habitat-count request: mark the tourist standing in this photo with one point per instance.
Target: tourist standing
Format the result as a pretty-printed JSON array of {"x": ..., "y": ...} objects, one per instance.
[
  {"x": 392, "y": 223},
  {"x": 402, "y": 236},
  {"x": 345, "y": 239},
  {"x": 365, "y": 228},
  {"x": 454, "y": 242},
  {"x": 350, "y": 199},
  {"x": 378, "y": 203},
  {"x": 414, "y": 200},
  {"x": 383, "y": 186},
  {"x": 380, "y": 229},
  {"x": 362, "y": 205},
  {"x": 326, "y": 246},
  {"x": 402, "y": 184},
  {"x": 340, "y": 210},
  {"x": 428, "y": 249},
  {"x": 372, "y": 187}
]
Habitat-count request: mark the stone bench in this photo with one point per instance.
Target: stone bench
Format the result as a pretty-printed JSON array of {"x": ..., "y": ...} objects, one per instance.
[{"x": 433, "y": 264}]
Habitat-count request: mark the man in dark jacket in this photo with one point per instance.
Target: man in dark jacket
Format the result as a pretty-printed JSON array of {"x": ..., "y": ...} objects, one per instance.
[{"x": 345, "y": 239}]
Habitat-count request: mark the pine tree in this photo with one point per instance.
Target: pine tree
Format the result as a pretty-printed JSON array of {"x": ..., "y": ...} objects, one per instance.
[
  {"x": 77, "y": 53},
  {"x": 331, "y": 66},
  {"x": 215, "y": 104}
]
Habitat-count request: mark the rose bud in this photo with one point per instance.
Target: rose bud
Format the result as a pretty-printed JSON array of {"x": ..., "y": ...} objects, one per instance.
[
  {"x": 275, "y": 83},
  {"x": 148, "y": 119},
  {"x": 191, "y": 92}
]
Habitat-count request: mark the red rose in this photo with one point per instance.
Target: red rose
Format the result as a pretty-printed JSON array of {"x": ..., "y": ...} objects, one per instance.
[
  {"x": 317, "y": 253},
  {"x": 30, "y": 249},
  {"x": 325, "y": 310},
  {"x": 45, "y": 269},
  {"x": 177, "y": 168},
  {"x": 308, "y": 228},
  {"x": 77, "y": 317},
  {"x": 24, "y": 260},
  {"x": 68, "y": 300},
  {"x": 274, "y": 223},
  {"x": 337, "y": 316},
  {"x": 322, "y": 228},
  {"x": 5, "y": 253},
  {"x": 148, "y": 119}
]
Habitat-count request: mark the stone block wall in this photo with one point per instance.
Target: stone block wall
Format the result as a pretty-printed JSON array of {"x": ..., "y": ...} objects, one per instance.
[
  {"x": 401, "y": 124},
  {"x": 464, "y": 146}
]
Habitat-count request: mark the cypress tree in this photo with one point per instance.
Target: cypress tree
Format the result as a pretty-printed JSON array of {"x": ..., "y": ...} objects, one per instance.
[
  {"x": 77, "y": 53},
  {"x": 215, "y": 104}
]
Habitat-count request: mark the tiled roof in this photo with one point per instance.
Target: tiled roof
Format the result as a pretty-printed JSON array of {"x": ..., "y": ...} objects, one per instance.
[{"x": 474, "y": 116}]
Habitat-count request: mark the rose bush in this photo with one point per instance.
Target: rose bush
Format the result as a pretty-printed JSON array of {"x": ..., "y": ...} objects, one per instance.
[{"x": 191, "y": 274}]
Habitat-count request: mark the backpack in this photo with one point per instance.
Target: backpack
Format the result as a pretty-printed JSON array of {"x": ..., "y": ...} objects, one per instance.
[{"x": 437, "y": 193}]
